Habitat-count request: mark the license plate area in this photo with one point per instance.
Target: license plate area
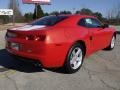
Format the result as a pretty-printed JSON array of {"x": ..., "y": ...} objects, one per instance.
[{"x": 15, "y": 46}]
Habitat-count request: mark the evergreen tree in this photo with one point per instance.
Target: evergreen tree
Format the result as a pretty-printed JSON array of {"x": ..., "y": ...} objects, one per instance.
[
  {"x": 54, "y": 13},
  {"x": 4, "y": 19},
  {"x": 28, "y": 16},
  {"x": 65, "y": 12},
  {"x": 86, "y": 11},
  {"x": 46, "y": 14},
  {"x": 39, "y": 13},
  {"x": 98, "y": 15}
]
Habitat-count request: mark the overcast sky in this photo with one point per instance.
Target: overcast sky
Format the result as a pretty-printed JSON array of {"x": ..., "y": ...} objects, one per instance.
[{"x": 102, "y": 6}]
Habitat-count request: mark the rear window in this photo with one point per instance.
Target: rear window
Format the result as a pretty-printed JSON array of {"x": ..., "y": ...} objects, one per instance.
[{"x": 49, "y": 20}]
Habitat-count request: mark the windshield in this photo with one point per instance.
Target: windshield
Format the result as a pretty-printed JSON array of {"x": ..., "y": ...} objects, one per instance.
[{"x": 49, "y": 20}]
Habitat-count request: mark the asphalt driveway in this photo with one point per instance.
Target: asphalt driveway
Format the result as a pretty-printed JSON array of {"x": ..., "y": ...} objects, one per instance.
[{"x": 100, "y": 71}]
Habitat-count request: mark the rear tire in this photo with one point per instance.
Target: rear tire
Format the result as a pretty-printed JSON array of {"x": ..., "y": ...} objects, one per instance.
[{"x": 74, "y": 59}]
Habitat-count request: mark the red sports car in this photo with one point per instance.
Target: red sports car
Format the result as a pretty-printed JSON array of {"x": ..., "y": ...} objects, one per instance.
[{"x": 60, "y": 41}]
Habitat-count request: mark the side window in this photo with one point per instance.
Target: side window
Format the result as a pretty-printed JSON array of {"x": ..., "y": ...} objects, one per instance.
[
  {"x": 89, "y": 23},
  {"x": 92, "y": 23},
  {"x": 82, "y": 23},
  {"x": 96, "y": 23}
]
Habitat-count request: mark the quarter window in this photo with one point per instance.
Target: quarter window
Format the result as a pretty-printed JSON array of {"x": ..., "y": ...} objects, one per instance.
[
  {"x": 82, "y": 23},
  {"x": 89, "y": 23},
  {"x": 92, "y": 23}
]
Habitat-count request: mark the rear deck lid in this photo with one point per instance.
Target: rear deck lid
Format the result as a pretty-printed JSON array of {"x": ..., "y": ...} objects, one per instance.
[{"x": 29, "y": 27}]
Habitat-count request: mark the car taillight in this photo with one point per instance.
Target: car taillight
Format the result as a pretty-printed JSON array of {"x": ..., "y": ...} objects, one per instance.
[
  {"x": 36, "y": 38},
  {"x": 11, "y": 35}
]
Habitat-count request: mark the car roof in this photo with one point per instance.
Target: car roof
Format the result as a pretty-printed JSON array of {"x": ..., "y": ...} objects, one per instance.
[
  {"x": 78, "y": 15},
  {"x": 73, "y": 19}
]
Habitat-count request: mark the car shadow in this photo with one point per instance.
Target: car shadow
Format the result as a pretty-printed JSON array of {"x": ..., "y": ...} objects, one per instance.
[
  {"x": 7, "y": 62},
  {"x": 58, "y": 70}
]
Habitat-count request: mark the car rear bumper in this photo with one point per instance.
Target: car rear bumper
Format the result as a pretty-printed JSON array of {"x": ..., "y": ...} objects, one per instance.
[
  {"x": 30, "y": 57},
  {"x": 48, "y": 54}
]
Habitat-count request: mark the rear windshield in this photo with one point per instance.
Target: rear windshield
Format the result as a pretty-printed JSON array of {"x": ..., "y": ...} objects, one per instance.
[{"x": 49, "y": 20}]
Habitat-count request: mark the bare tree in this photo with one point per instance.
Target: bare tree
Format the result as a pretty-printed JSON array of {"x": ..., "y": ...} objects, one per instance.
[
  {"x": 114, "y": 14},
  {"x": 117, "y": 11}
]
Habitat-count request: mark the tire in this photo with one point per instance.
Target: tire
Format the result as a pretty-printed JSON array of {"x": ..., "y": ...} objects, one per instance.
[
  {"x": 74, "y": 58},
  {"x": 112, "y": 44}
]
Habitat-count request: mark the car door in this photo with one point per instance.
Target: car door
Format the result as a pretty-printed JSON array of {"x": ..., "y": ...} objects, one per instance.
[{"x": 98, "y": 35}]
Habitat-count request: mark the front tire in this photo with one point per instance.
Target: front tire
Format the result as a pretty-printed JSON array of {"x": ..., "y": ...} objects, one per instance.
[
  {"x": 112, "y": 43},
  {"x": 74, "y": 59}
]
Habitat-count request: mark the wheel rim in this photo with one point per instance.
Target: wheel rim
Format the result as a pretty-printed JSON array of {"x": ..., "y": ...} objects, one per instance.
[
  {"x": 113, "y": 42},
  {"x": 76, "y": 58}
]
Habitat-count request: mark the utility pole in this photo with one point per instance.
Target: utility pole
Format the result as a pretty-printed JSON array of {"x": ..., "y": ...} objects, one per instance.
[
  {"x": 13, "y": 12},
  {"x": 36, "y": 9}
]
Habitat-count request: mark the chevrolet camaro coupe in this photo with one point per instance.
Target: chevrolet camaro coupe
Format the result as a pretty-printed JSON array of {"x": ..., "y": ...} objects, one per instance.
[{"x": 60, "y": 40}]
